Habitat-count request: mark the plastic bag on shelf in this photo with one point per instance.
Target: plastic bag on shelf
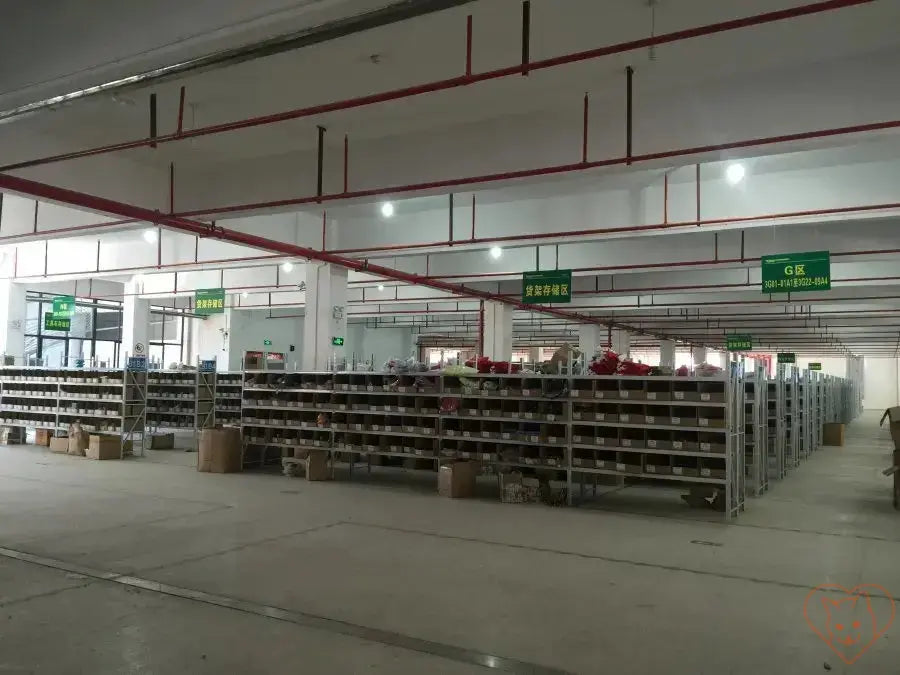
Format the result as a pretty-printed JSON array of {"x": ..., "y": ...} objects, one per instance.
[
  {"x": 629, "y": 367},
  {"x": 707, "y": 370}
]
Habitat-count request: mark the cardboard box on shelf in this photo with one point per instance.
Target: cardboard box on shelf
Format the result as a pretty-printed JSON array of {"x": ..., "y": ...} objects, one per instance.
[
  {"x": 12, "y": 435},
  {"x": 221, "y": 450},
  {"x": 59, "y": 444},
  {"x": 42, "y": 437},
  {"x": 317, "y": 465},
  {"x": 104, "y": 447},
  {"x": 518, "y": 489},
  {"x": 893, "y": 417},
  {"x": 162, "y": 441},
  {"x": 78, "y": 440},
  {"x": 457, "y": 479},
  {"x": 833, "y": 433}
]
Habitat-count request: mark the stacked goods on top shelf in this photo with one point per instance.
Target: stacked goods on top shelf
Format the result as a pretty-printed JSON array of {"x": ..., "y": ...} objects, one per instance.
[
  {"x": 172, "y": 399},
  {"x": 29, "y": 397},
  {"x": 228, "y": 398}
]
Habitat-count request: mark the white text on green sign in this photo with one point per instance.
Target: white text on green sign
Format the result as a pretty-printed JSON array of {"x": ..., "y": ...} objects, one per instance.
[
  {"x": 53, "y": 323},
  {"x": 63, "y": 306},
  {"x": 795, "y": 272},
  {"x": 787, "y": 357},
  {"x": 547, "y": 286},
  {"x": 738, "y": 343},
  {"x": 209, "y": 300},
  {"x": 815, "y": 366}
]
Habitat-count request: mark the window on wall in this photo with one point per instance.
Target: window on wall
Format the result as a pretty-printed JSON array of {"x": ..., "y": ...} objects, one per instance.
[
  {"x": 167, "y": 336},
  {"x": 95, "y": 333}
]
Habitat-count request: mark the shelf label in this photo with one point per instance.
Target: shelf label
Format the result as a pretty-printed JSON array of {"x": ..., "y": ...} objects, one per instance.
[
  {"x": 787, "y": 272},
  {"x": 738, "y": 343},
  {"x": 787, "y": 357},
  {"x": 814, "y": 366},
  {"x": 52, "y": 323},
  {"x": 63, "y": 306},
  {"x": 547, "y": 286},
  {"x": 209, "y": 301}
]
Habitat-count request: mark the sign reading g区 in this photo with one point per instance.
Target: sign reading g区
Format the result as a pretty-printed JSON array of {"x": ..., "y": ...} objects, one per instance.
[
  {"x": 52, "y": 323},
  {"x": 793, "y": 272},
  {"x": 547, "y": 286},
  {"x": 738, "y": 343},
  {"x": 209, "y": 301},
  {"x": 63, "y": 306}
]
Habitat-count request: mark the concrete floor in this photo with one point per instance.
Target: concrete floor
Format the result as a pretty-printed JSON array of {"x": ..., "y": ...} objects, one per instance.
[{"x": 145, "y": 566}]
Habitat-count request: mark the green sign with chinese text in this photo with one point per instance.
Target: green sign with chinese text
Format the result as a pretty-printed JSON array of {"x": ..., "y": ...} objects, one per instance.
[
  {"x": 815, "y": 366},
  {"x": 787, "y": 357},
  {"x": 209, "y": 300},
  {"x": 53, "y": 323},
  {"x": 547, "y": 286},
  {"x": 63, "y": 306},
  {"x": 738, "y": 343},
  {"x": 793, "y": 272}
]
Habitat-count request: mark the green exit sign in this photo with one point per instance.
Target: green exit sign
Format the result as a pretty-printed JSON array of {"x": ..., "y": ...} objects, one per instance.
[
  {"x": 267, "y": 343},
  {"x": 787, "y": 357},
  {"x": 337, "y": 341},
  {"x": 738, "y": 343},
  {"x": 793, "y": 272},
  {"x": 815, "y": 366}
]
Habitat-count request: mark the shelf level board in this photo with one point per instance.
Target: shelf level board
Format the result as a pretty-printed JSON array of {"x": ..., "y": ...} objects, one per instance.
[
  {"x": 661, "y": 427},
  {"x": 170, "y": 412},
  {"x": 117, "y": 385},
  {"x": 650, "y": 451},
  {"x": 7, "y": 394},
  {"x": 647, "y": 401},
  {"x": 653, "y": 476}
]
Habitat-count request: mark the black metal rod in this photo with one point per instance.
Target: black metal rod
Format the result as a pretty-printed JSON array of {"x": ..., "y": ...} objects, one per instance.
[
  {"x": 629, "y": 111},
  {"x": 526, "y": 35},
  {"x": 320, "y": 162},
  {"x": 153, "y": 118},
  {"x": 451, "y": 220}
]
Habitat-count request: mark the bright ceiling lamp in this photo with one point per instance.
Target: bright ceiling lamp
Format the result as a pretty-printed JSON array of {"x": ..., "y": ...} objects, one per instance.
[
  {"x": 245, "y": 295},
  {"x": 387, "y": 209},
  {"x": 150, "y": 236},
  {"x": 380, "y": 287},
  {"x": 735, "y": 173},
  {"x": 287, "y": 266},
  {"x": 496, "y": 252}
]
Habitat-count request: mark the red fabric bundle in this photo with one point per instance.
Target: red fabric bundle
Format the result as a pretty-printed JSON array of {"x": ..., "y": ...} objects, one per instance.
[
  {"x": 683, "y": 371},
  {"x": 606, "y": 365},
  {"x": 484, "y": 365},
  {"x": 629, "y": 367}
]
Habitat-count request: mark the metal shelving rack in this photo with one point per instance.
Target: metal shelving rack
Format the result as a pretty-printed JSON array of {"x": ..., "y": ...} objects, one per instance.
[
  {"x": 172, "y": 400},
  {"x": 29, "y": 398},
  {"x": 679, "y": 429},
  {"x": 792, "y": 419},
  {"x": 756, "y": 439},
  {"x": 777, "y": 423},
  {"x": 227, "y": 409}
]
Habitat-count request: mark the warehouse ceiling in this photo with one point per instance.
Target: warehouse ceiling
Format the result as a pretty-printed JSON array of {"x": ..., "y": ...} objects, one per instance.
[{"x": 665, "y": 244}]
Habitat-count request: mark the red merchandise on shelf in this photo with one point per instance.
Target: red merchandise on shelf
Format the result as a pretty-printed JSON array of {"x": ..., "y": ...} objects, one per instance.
[
  {"x": 606, "y": 365},
  {"x": 683, "y": 371},
  {"x": 629, "y": 367}
]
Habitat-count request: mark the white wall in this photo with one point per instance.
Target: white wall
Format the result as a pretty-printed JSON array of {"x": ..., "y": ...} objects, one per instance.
[
  {"x": 830, "y": 366},
  {"x": 882, "y": 383},
  {"x": 248, "y": 329}
]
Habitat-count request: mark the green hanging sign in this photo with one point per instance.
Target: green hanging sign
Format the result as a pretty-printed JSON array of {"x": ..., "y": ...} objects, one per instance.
[
  {"x": 787, "y": 357},
  {"x": 738, "y": 343},
  {"x": 337, "y": 341},
  {"x": 209, "y": 301},
  {"x": 53, "y": 323},
  {"x": 815, "y": 366},
  {"x": 794, "y": 272},
  {"x": 547, "y": 286},
  {"x": 63, "y": 306}
]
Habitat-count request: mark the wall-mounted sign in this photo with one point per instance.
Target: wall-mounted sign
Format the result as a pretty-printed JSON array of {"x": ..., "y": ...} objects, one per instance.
[
  {"x": 337, "y": 341},
  {"x": 209, "y": 301},
  {"x": 52, "y": 323},
  {"x": 547, "y": 286},
  {"x": 793, "y": 272},
  {"x": 267, "y": 342},
  {"x": 63, "y": 306},
  {"x": 738, "y": 343},
  {"x": 138, "y": 363},
  {"x": 139, "y": 348},
  {"x": 208, "y": 366},
  {"x": 787, "y": 357},
  {"x": 815, "y": 366}
]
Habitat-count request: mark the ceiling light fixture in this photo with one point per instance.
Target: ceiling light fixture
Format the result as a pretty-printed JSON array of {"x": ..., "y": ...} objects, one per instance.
[
  {"x": 496, "y": 252},
  {"x": 245, "y": 294},
  {"x": 150, "y": 236},
  {"x": 287, "y": 267},
  {"x": 380, "y": 287},
  {"x": 387, "y": 209},
  {"x": 735, "y": 173}
]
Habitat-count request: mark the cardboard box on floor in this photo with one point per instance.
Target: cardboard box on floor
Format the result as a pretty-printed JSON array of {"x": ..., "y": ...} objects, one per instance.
[
  {"x": 457, "y": 479},
  {"x": 317, "y": 465},
  {"x": 893, "y": 417},
  {"x": 42, "y": 437},
  {"x": 59, "y": 444},
  {"x": 162, "y": 442},
  {"x": 78, "y": 440},
  {"x": 104, "y": 447},
  {"x": 832, "y": 433},
  {"x": 221, "y": 450}
]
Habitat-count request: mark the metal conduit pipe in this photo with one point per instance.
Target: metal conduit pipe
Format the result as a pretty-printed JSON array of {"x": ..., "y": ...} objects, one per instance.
[{"x": 455, "y": 82}]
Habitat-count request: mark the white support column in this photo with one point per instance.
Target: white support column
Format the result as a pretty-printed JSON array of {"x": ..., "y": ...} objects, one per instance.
[
  {"x": 325, "y": 316},
  {"x": 667, "y": 354},
  {"x": 534, "y": 355},
  {"x": 135, "y": 323},
  {"x": 12, "y": 321},
  {"x": 590, "y": 336},
  {"x": 699, "y": 355},
  {"x": 621, "y": 342},
  {"x": 498, "y": 330}
]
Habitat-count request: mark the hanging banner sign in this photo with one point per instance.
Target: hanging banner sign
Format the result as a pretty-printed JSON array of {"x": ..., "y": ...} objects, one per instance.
[
  {"x": 787, "y": 357},
  {"x": 793, "y": 272},
  {"x": 63, "y": 306},
  {"x": 52, "y": 323},
  {"x": 738, "y": 343},
  {"x": 547, "y": 286},
  {"x": 815, "y": 366},
  {"x": 209, "y": 301}
]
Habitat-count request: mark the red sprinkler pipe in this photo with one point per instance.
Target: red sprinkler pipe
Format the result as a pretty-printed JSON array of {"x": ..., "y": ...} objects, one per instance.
[
  {"x": 92, "y": 202},
  {"x": 455, "y": 82}
]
